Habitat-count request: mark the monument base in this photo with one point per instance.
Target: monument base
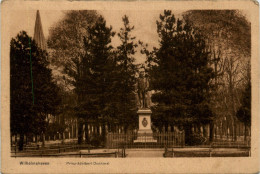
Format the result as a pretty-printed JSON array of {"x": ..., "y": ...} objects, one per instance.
[
  {"x": 142, "y": 132},
  {"x": 145, "y": 133},
  {"x": 145, "y": 139}
]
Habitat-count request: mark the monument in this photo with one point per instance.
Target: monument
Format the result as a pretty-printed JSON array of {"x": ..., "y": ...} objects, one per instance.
[{"x": 145, "y": 133}]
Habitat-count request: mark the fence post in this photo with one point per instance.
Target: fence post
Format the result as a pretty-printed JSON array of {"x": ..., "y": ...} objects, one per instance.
[
  {"x": 164, "y": 138},
  {"x": 173, "y": 139},
  {"x": 110, "y": 137},
  {"x": 118, "y": 139},
  {"x": 183, "y": 138},
  {"x": 107, "y": 140},
  {"x": 145, "y": 140},
  {"x": 159, "y": 139},
  {"x": 168, "y": 139}
]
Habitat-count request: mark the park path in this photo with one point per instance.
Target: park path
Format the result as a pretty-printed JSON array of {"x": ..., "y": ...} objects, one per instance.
[
  {"x": 144, "y": 153},
  {"x": 134, "y": 153}
]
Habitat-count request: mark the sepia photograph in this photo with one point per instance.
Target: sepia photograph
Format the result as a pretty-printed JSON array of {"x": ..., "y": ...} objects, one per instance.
[{"x": 157, "y": 83}]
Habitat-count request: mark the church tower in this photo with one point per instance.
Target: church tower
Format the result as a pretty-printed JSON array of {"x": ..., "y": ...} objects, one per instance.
[{"x": 38, "y": 32}]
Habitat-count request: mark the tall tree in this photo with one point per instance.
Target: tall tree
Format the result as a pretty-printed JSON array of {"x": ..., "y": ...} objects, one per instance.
[
  {"x": 33, "y": 93},
  {"x": 180, "y": 75},
  {"x": 126, "y": 71},
  {"x": 66, "y": 36},
  {"x": 244, "y": 111},
  {"x": 67, "y": 50},
  {"x": 99, "y": 65},
  {"x": 228, "y": 36}
]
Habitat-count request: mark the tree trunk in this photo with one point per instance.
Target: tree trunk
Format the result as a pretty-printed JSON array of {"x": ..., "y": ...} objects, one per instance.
[
  {"x": 245, "y": 136},
  {"x": 188, "y": 133},
  {"x": 98, "y": 131},
  {"x": 21, "y": 142},
  {"x": 196, "y": 128},
  {"x": 211, "y": 132},
  {"x": 104, "y": 133},
  {"x": 62, "y": 137},
  {"x": 125, "y": 128},
  {"x": 205, "y": 133},
  {"x": 26, "y": 139},
  {"x": 80, "y": 132},
  {"x": 43, "y": 139},
  {"x": 200, "y": 131},
  {"x": 15, "y": 139},
  {"x": 166, "y": 127},
  {"x": 112, "y": 127},
  {"x": 86, "y": 133},
  {"x": 232, "y": 131},
  {"x": 235, "y": 131},
  {"x": 160, "y": 129},
  {"x": 221, "y": 130}
]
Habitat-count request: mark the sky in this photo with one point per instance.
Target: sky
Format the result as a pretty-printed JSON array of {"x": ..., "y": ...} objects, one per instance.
[{"x": 144, "y": 22}]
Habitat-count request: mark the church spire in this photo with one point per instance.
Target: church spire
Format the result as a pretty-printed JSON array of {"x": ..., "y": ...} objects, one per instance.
[{"x": 38, "y": 32}]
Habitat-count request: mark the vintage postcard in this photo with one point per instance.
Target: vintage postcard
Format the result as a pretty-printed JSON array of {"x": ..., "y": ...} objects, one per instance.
[{"x": 130, "y": 87}]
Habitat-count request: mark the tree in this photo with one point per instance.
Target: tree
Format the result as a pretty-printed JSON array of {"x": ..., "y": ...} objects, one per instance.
[
  {"x": 33, "y": 93},
  {"x": 228, "y": 37},
  {"x": 244, "y": 112},
  {"x": 66, "y": 43},
  {"x": 126, "y": 71},
  {"x": 222, "y": 26},
  {"x": 97, "y": 72},
  {"x": 180, "y": 75},
  {"x": 66, "y": 37}
]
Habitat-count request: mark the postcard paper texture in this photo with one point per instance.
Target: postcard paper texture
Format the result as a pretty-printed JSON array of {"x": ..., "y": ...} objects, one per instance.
[{"x": 130, "y": 87}]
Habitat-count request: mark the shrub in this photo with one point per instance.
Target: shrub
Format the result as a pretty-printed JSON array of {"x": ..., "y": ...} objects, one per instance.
[
  {"x": 96, "y": 141},
  {"x": 196, "y": 139}
]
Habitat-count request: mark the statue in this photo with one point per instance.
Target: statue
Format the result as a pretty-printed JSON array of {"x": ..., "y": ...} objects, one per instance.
[
  {"x": 145, "y": 132},
  {"x": 142, "y": 89}
]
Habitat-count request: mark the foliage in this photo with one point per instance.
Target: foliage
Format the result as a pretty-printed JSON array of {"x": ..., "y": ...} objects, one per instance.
[
  {"x": 196, "y": 139},
  {"x": 228, "y": 37},
  {"x": 66, "y": 43},
  {"x": 220, "y": 26},
  {"x": 98, "y": 71},
  {"x": 33, "y": 93},
  {"x": 125, "y": 74},
  {"x": 66, "y": 37},
  {"x": 55, "y": 127},
  {"x": 244, "y": 112},
  {"x": 181, "y": 58},
  {"x": 96, "y": 141},
  {"x": 67, "y": 48}
]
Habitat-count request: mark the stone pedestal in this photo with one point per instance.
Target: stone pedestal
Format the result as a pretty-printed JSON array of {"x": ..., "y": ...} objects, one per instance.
[{"x": 145, "y": 133}]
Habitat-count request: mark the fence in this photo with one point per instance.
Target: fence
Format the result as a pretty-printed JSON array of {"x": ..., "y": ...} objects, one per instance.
[
  {"x": 155, "y": 140},
  {"x": 218, "y": 143},
  {"x": 73, "y": 154},
  {"x": 68, "y": 151}
]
